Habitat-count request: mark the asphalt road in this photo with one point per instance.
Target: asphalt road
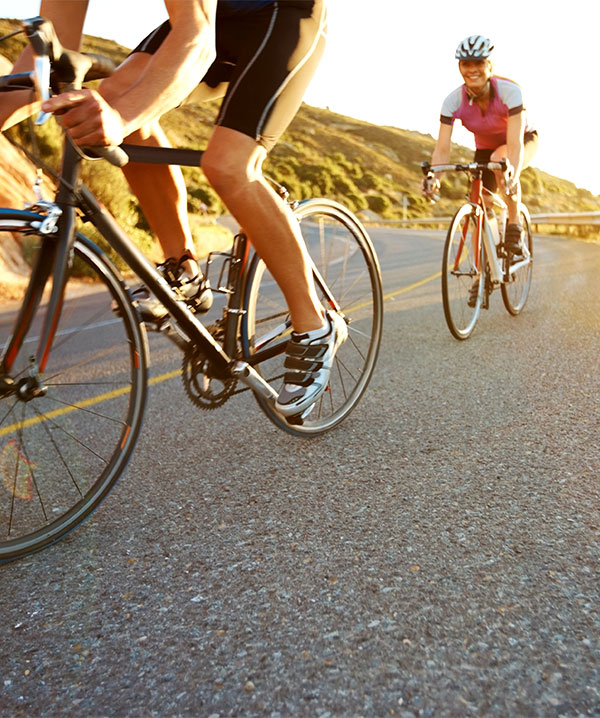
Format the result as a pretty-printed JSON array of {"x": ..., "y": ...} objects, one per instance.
[{"x": 436, "y": 555}]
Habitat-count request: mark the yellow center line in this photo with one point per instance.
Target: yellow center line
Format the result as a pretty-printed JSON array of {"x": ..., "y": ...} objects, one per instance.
[
  {"x": 107, "y": 396},
  {"x": 414, "y": 285}
]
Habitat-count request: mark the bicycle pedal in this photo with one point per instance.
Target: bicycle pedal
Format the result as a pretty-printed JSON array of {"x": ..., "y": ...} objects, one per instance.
[
  {"x": 298, "y": 419},
  {"x": 157, "y": 325}
]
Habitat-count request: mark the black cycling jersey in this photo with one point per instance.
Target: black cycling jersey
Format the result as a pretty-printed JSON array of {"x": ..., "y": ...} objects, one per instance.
[
  {"x": 266, "y": 56},
  {"x": 243, "y": 5}
]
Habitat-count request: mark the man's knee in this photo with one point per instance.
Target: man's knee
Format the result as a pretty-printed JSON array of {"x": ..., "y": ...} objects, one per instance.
[
  {"x": 225, "y": 170},
  {"x": 232, "y": 159}
]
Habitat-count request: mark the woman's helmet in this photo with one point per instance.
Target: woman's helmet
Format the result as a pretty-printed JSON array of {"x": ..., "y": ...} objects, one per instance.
[{"x": 475, "y": 47}]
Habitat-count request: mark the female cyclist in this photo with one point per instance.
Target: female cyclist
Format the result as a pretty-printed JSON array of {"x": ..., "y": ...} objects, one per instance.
[{"x": 490, "y": 107}]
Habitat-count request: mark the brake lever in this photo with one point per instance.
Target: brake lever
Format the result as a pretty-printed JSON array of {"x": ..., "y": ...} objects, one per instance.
[
  {"x": 43, "y": 48},
  {"x": 41, "y": 81}
]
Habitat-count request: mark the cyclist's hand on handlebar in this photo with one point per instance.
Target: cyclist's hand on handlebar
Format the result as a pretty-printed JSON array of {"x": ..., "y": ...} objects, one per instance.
[
  {"x": 509, "y": 180},
  {"x": 90, "y": 120},
  {"x": 511, "y": 185},
  {"x": 430, "y": 187}
]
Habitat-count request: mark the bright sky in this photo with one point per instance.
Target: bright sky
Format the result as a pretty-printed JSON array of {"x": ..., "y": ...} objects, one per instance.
[{"x": 391, "y": 62}]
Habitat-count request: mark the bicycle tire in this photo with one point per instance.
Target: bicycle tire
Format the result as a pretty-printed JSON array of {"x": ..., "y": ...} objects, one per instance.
[
  {"x": 344, "y": 256},
  {"x": 459, "y": 274},
  {"x": 516, "y": 291},
  {"x": 61, "y": 453}
]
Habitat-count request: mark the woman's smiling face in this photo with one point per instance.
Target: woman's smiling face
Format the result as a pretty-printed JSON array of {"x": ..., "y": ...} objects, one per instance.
[{"x": 475, "y": 73}]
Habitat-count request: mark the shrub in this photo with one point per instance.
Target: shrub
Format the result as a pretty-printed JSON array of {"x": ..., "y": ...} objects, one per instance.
[{"x": 379, "y": 203}]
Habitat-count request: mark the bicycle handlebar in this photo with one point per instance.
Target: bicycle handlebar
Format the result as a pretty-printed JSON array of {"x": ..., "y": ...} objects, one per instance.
[
  {"x": 61, "y": 70},
  {"x": 503, "y": 166},
  {"x": 18, "y": 81},
  {"x": 473, "y": 168}
]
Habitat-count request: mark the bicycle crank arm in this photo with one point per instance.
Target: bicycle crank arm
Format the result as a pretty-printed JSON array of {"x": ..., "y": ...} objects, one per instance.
[
  {"x": 253, "y": 380},
  {"x": 7, "y": 386},
  {"x": 518, "y": 265}
]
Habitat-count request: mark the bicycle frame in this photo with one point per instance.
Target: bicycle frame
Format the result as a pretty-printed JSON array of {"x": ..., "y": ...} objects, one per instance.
[
  {"x": 484, "y": 231},
  {"x": 54, "y": 258},
  {"x": 498, "y": 274}
]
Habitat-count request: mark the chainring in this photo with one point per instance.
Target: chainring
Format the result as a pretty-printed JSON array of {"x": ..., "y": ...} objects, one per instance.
[{"x": 205, "y": 389}]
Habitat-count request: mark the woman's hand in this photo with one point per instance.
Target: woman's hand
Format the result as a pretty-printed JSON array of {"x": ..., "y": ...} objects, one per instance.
[
  {"x": 511, "y": 185},
  {"x": 430, "y": 188}
]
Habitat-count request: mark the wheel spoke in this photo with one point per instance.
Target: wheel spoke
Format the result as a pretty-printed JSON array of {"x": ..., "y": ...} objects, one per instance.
[
  {"x": 345, "y": 262},
  {"x": 462, "y": 281},
  {"x": 516, "y": 291},
  {"x": 70, "y": 432}
]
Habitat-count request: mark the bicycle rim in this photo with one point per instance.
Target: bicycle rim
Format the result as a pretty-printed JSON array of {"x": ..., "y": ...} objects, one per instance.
[
  {"x": 462, "y": 282},
  {"x": 345, "y": 259},
  {"x": 60, "y": 453},
  {"x": 516, "y": 290}
]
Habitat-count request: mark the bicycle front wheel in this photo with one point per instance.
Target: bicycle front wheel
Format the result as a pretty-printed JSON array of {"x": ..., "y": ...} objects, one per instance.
[
  {"x": 346, "y": 264},
  {"x": 516, "y": 290},
  {"x": 462, "y": 275},
  {"x": 62, "y": 449}
]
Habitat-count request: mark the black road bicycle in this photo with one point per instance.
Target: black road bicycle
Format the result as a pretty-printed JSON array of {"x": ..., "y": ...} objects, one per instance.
[{"x": 73, "y": 371}]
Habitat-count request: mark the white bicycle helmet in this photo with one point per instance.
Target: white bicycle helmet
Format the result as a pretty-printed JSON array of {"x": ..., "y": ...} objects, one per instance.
[{"x": 475, "y": 47}]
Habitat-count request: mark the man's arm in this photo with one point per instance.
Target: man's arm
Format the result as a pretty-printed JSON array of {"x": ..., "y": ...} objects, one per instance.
[
  {"x": 178, "y": 65},
  {"x": 171, "y": 73}
]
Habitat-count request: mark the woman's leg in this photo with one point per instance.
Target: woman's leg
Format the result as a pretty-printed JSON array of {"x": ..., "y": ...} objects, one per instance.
[{"x": 529, "y": 149}]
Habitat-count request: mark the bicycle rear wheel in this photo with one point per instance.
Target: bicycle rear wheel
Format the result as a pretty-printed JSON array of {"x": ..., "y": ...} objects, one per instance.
[
  {"x": 462, "y": 281},
  {"x": 63, "y": 450},
  {"x": 345, "y": 259},
  {"x": 516, "y": 291}
]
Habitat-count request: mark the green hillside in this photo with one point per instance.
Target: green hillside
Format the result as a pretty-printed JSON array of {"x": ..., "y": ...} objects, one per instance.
[{"x": 322, "y": 153}]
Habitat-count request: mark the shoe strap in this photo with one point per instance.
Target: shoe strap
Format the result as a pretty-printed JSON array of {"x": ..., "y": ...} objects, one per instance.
[
  {"x": 169, "y": 270},
  {"x": 302, "y": 362}
]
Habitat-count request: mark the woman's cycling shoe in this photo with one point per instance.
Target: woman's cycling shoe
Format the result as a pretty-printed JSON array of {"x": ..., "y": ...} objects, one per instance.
[
  {"x": 473, "y": 294},
  {"x": 513, "y": 239}
]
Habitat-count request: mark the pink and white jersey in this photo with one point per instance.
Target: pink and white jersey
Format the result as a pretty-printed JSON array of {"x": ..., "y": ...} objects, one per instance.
[{"x": 489, "y": 128}]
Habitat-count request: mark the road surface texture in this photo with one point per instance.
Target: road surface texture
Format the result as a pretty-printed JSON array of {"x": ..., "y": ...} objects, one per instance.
[{"x": 436, "y": 555}]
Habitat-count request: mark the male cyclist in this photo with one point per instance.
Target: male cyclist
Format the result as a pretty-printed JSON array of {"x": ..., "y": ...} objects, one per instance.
[
  {"x": 491, "y": 107},
  {"x": 160, "y": 189},
  {"x": 260, "y": 56}
]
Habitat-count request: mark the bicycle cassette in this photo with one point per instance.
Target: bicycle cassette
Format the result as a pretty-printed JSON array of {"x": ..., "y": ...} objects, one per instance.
[{"x": 203, "y": 386}]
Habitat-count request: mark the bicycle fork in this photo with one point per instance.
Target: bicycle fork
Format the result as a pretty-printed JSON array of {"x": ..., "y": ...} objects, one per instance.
[{"x": 53, "y": 258}]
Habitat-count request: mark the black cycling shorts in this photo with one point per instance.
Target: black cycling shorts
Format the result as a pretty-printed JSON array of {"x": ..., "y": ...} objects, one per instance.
[
  {"x": 265, "y": 61},
  {"x": 489, "y": 178}
]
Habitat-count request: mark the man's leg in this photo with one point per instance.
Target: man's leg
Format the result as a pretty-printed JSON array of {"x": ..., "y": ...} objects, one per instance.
[
  {"x": 160, "y": 189},
  {"x": 162, "y": 194},
  {"x": 232, "y": 164}
]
